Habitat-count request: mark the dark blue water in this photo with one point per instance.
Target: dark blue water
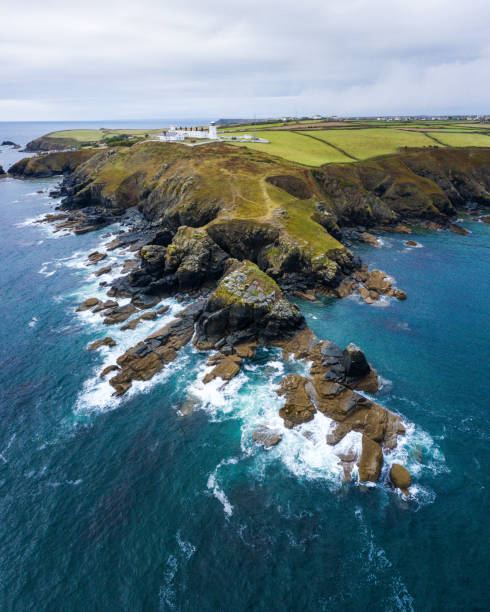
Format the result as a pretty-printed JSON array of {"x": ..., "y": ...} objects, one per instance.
[{"x": 130, "y": 505}]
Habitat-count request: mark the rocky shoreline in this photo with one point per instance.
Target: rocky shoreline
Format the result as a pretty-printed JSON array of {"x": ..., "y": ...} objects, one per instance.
[{"x": 239, "y": 232}]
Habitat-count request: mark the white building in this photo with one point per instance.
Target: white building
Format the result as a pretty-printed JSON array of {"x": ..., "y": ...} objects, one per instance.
[{"x": 179, "y": 133}]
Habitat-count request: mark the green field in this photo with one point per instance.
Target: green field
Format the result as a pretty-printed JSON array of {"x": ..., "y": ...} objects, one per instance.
[
  {"x": 79, "y": 135},
  {"x": 462, "y": 139},
  {"x": 296, "y": 147},
  {"x": 97, "y": 135},
  {"x": 371, "y": 142}
]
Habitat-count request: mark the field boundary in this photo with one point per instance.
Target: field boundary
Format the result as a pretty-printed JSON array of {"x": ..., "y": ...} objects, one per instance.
[{"x": 325, "y": 142}]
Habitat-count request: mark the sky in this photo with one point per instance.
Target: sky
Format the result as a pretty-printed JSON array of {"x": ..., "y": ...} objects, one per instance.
[{"x": 151, "y": 59}]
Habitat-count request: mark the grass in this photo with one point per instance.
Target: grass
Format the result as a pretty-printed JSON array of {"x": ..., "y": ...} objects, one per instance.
[
  {"x": 297, "y": 148},
  {"x": 461, "y": 139}
]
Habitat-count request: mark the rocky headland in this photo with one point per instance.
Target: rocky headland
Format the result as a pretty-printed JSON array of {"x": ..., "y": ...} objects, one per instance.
[{"x": 240, "y": 231}]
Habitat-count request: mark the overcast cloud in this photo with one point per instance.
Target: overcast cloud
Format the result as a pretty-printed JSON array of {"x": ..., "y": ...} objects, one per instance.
[{"x": 188, "y": 58}]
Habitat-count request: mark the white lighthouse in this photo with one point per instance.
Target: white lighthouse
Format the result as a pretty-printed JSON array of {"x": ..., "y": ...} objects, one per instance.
[{"x": 213, "y": 134}]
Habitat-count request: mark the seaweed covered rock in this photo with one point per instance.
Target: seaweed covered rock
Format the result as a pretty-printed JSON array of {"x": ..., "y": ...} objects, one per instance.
[{"x": 247, "y": 304}]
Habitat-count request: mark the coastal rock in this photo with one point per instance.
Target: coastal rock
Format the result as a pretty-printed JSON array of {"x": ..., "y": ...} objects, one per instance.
[
  {"x": 369, "y": 239},
  {"x": 400, "y": 477},
  {"x": 346, "y": 287},
  {"x": 103, "y": 270},
  {"x": 458, "y": 229},
  {"x": 107, "y": 305},
  {"x": 95, "y": 257},
  {"x": 145, "y": 301},
  {"x": 303, "y": 295},
  {"x": 411, "y": 243},
  {"x": 371, "y": 460},
  {"x": 108, "y": 370},
  {"x": 246, "y": 350},
  {"x": 226, "y": 369},
  {"x": 88, "y": 304},
  {"x": 107, "y": 341},
  {"x": 119, "y": 314},
  {"x": 377, "y": 281},
  {"x": 2, "y": 171},
  {"x": 267, "y": 437},
  {"x": 299, "y": 407},
  {"x": 148, "y": 357},
  {"x": 349, "y": 367},
  {"x": 400, "y": 295},
  {"x": 354, "y": 362}
]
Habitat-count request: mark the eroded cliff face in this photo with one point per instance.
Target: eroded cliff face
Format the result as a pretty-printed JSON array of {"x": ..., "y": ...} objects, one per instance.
[{"x": 414, "y": 184}]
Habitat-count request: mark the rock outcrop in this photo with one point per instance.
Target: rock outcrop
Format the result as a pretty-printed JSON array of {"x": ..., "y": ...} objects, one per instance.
[
  {"x": 335, "y": 377},
  {"x": 148, "y": 357},
  {"x": 246, "y": 305}
]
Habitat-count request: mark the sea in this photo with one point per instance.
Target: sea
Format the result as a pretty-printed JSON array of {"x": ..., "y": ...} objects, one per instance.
[{"x": 160, "y": 500}]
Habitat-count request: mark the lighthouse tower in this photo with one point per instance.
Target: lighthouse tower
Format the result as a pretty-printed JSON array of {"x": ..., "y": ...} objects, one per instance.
[{"x": 213, "y": 134}]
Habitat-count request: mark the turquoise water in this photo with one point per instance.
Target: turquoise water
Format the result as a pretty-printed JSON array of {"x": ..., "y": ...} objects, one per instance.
[{"x": 129, "y": 505}]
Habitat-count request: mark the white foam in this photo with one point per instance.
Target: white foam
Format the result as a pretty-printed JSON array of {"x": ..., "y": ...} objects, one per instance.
[
  {"x": 213, "y": 485},
  {"x": 33, "y": 322},
  {"x": 187, "y": 548},
  {"x": 96, "y": 393}
]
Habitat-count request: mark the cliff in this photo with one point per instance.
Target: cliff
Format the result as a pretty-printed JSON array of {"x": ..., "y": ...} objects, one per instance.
[{"x": 50, "y": 165}]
